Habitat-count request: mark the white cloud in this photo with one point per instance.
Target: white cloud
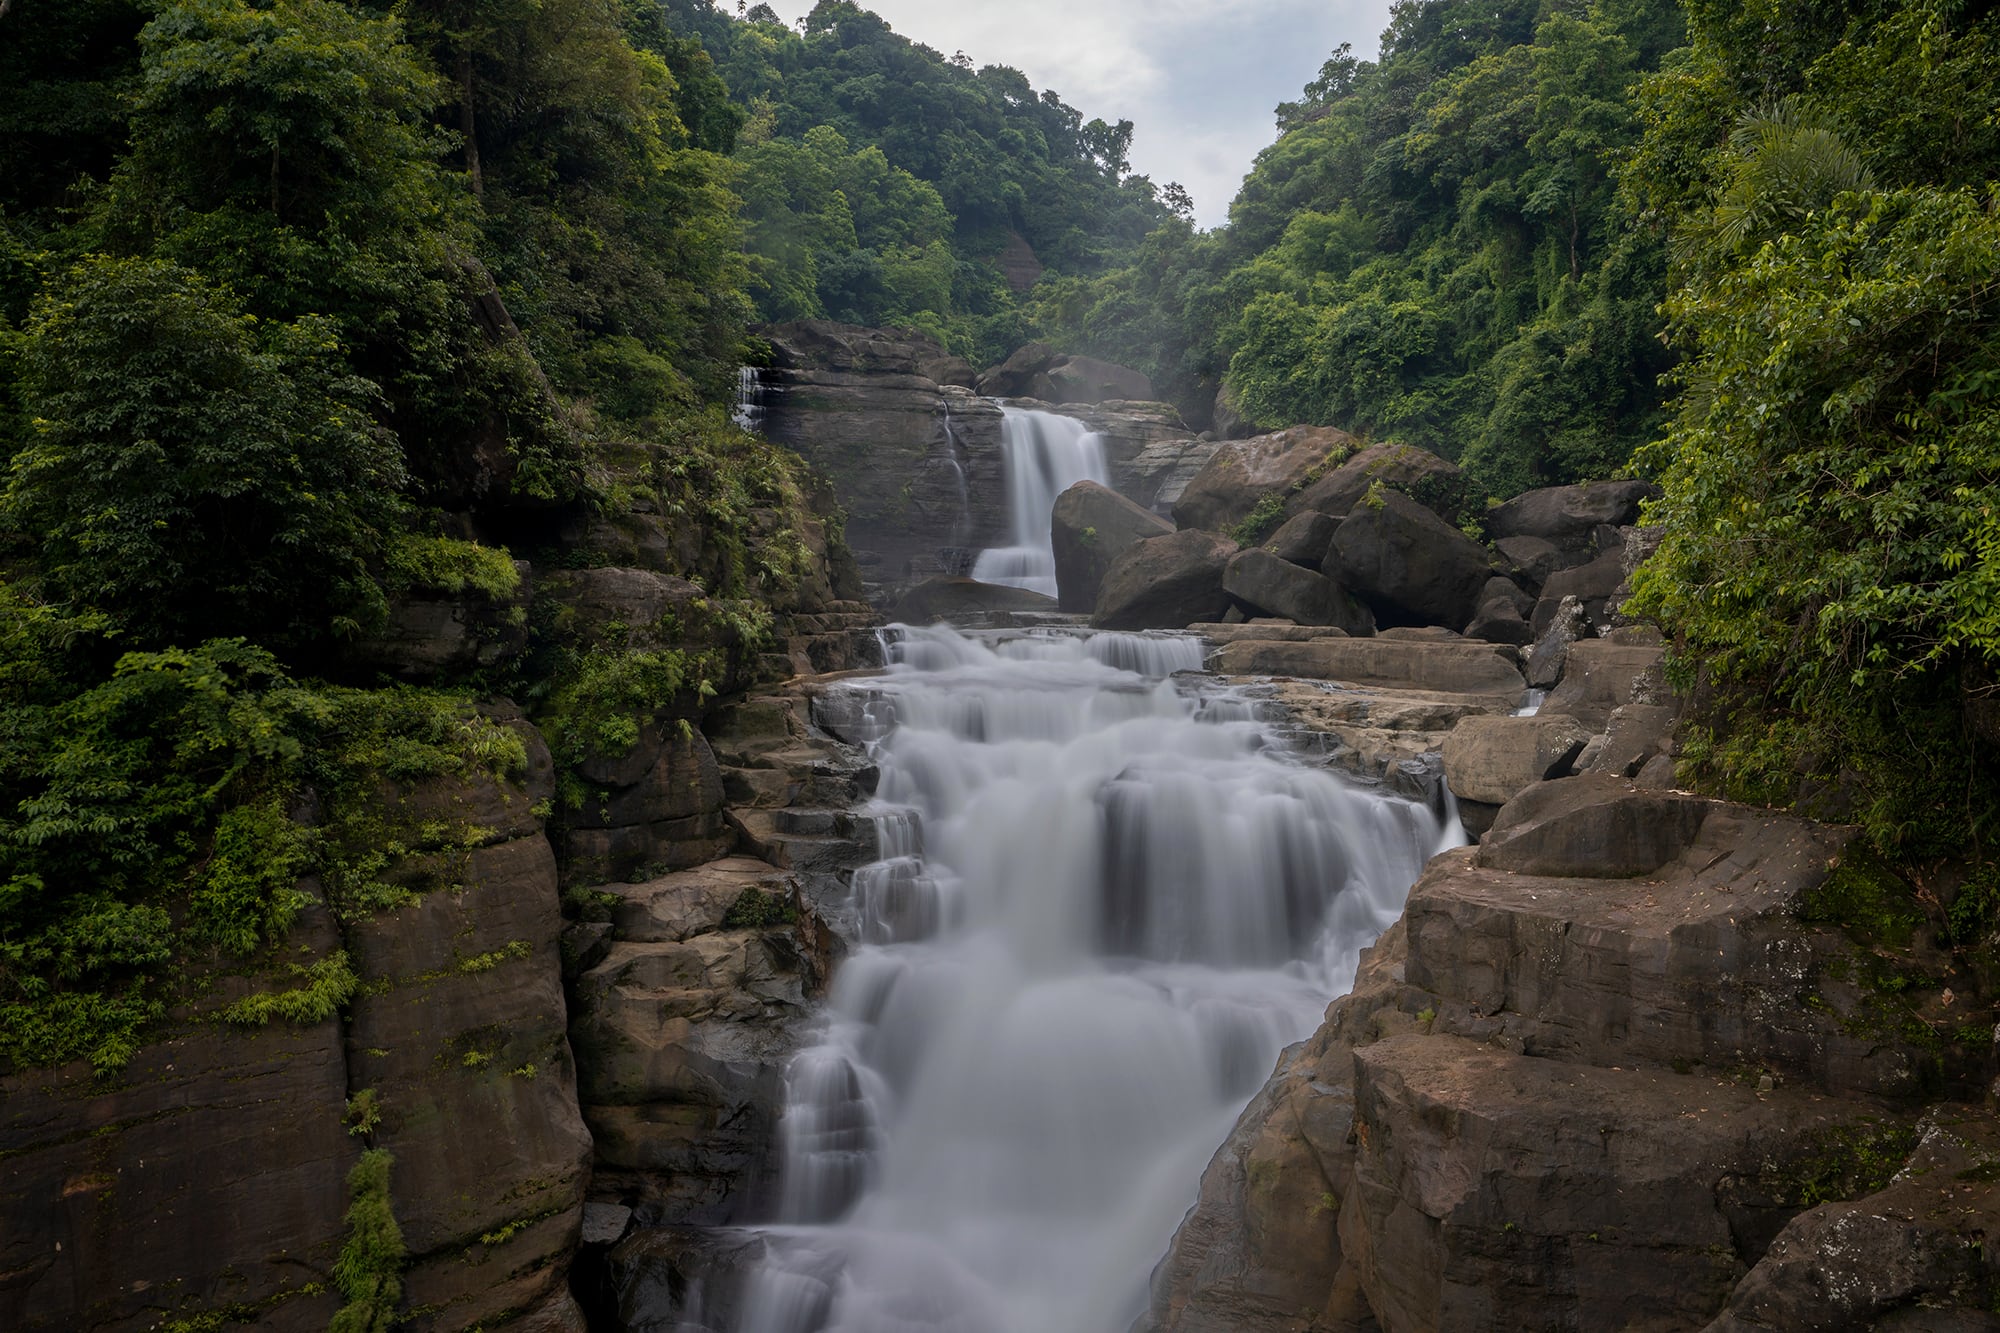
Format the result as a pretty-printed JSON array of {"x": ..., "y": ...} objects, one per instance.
[{"x": 1198, "y": 78}]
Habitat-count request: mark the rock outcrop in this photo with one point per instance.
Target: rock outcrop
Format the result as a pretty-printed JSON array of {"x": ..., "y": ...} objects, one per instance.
[
  {"x": 962, "y": 599},
  {"x": 1090, "y": 528},
  {"x": 1561, "y": 1099},
  {"x": 915, "y": 461},
  {"x": 683, "y": 1029},
  {"x": 1040, "y": 371}
]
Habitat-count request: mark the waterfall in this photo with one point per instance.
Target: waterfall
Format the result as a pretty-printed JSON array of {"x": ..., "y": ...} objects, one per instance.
[
  {"x": 1044, "y": 455},
  {"x": 749, "y": 410},
  {"x": 1107, "y": 898}
]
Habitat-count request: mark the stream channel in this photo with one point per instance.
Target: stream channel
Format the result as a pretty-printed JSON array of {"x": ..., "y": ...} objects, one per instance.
[{"x": 1110, "y": 893}]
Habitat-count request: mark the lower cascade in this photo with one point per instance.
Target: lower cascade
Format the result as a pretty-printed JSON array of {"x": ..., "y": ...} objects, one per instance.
[{"x": 1107, "y": 898}]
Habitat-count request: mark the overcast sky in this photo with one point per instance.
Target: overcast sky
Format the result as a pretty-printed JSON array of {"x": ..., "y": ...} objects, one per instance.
[{"x": 1199, "y": 78}]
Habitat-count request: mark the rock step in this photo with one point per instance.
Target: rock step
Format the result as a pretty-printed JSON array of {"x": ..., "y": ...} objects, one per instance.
[
  {"x": 1453, "y": 667},
  {"x": 769, "y": 835},
  {"x": 687, "y": 903},
  {"x": 1695, "y": 958},
  {"x": 1493, "y": 1190}
]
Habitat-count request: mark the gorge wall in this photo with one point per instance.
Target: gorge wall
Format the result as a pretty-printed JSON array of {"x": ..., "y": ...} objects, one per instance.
[{"x": 909, "y": 439}]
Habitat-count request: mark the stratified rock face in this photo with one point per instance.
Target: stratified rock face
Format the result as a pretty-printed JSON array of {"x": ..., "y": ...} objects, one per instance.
[
  {"x": 1560, "y": 1100},
  {"x": 1242, "y": 472},
  {"x": 915, "y": 463},
  {"x": 683, "y": 1031},
  {"x": 214, "y": 1172},
  {"x": 1409, "y": 564},
  {"x": 657, "y": 806},
  {"x": 212, "y": 1175},
  {"x": 1401, "y": 468},
  {"x": 1166, "y": 582},
  {"x": 1090, "y": 527},
  {"x": 1148, "y": 449},
  {"x": 1265, "y": 585}
]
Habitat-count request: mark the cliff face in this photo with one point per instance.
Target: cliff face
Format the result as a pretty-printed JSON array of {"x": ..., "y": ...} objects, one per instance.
[
  {"x": 913, "y": 453},
  {"x": 208, "y": 1183},
  {"x": 1605, "y": 1073},
  {"x": 211, "y": 1179}
]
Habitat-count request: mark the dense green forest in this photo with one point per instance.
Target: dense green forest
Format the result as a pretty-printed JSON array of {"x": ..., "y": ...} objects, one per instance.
[{"x": 309, "y": 304}]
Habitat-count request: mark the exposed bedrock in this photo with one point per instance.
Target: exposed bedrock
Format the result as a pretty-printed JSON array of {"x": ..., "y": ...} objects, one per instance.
[
  {"x": 913, "y": 451},
  {"x": 1604, "y": 1074}
]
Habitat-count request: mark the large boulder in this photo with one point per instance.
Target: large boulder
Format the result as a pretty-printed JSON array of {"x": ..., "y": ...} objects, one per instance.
[
  {"x": 1166, "y": 582},
  {"x": 1085, "y": 379},
  {"x": 1568, "y": 516},
  {"x": 1303, "y": 539},
  {"x": 1092, "y": 526},
  {"x": 1494, "y": 759},
  {"x": 1410, "y": 565},
  {"x": 1417, "y": 473},
  {"x": 1243, "y": 472},
  {"x": 963, "y": 599},
  {"x": 1502, "y": 614},
  {"x": 1602, "y": 676},
  {"x": 1596, "y": 585},
  {"x": 1261, "y": 582}
]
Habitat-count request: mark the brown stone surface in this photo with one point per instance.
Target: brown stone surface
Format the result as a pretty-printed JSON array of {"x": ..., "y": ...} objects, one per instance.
[
  {"x": 1492, "y": 759},
  {"x": 1398, "y": 468},
  {"x": 1090, "y": 527},
  {"x": 1263, "y": 584},
  {"x": 212, "y": 1172},
  {"x": 1580, "y": 1102},
  {"x": 1165, "y": 582},
  {"x": 460, "y": 1030},
  {"x": 1242, "y": 472},
  {"x": 1409, "y": 564},
  {"x": 1491, "y": 1190},
  {"x": 961, "y": 599},
  {"x": 1600, "y": 676},
  {"x": 1460, "y": 668},
  {"x": 683, "y": 1032}
]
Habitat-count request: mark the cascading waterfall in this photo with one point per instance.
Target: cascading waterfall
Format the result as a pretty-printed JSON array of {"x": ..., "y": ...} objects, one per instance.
[
  {"x": 1106, "y": 899},
  {"x": 749, "y": 410},
  {"x": 1044, "y": 455}
]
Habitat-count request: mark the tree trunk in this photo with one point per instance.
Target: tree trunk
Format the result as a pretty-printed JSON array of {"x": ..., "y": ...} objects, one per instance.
[
  {"x": 274, "y": 180},
  {"x": 468, "y": 124}
]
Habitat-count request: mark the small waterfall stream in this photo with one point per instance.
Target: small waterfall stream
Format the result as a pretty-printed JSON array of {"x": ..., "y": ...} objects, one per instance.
[
  {"x": 1106, "y": 899},
  {"x": 1044, "y": 454}
]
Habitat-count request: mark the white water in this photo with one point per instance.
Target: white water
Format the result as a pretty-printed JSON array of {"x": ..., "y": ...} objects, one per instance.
[
  {"x": 1044, "y": 455},
  {"x": 1107, "y": 900},
  {"x": 749, "y": 410}
]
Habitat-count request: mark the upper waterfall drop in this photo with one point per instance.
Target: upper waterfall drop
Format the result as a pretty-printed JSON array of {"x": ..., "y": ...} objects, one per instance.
[{"x": 1044, "y": 454}]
